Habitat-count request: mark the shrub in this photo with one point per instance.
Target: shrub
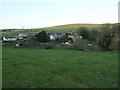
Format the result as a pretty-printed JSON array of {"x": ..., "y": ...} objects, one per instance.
[
  {"x": 48, "y": 47},
  {"x": 114, "y": 43},
  {"x": 79, "y": 44},
  {"x": 93, "y": 48}
]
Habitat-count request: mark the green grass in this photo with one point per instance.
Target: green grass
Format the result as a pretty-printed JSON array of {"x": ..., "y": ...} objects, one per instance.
[{"x": 39, "y": 68}]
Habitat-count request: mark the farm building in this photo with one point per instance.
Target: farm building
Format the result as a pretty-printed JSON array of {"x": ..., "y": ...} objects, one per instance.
[
  {"x": 55, "y": 36},
  {"x": 10, "y": 38}
]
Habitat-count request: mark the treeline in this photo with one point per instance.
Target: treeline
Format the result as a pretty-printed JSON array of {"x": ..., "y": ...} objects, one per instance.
[
  {"x": 106, "y": 37},
  {"x": 103, "y": 38}
]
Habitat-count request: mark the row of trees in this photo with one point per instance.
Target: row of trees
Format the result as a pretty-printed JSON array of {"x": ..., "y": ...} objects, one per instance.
[{"x": 103, "y": 36}]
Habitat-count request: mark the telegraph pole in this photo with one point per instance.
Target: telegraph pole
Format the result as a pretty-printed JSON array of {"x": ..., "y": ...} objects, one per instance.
[{"x": 22, "y": 28}]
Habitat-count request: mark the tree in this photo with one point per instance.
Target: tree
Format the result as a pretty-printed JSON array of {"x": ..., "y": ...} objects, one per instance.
[
  {"x": 41, "y": 37},
  {"x": 106, "y": 36},
  {"x": 115, "y": 28},
  {"x": 84, "y": 32},
  {"x": 93, "y": 35}
]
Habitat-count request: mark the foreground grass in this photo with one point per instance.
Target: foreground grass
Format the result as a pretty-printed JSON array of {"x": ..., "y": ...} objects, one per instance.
[{"x": 34, "y": 68}]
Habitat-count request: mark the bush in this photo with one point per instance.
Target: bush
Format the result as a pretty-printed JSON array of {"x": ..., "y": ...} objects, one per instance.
[
  {"x": 79, "y": 44},
  {"x": 93, "y": 48},
  {"x": 114, "y": 43},
  {"x": 48, "y": 47}
]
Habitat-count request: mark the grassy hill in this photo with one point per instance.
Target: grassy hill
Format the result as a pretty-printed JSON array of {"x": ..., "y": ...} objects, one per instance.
[
  {"x": 69, "y": 27},
  {"x": 60, "y": 28}
]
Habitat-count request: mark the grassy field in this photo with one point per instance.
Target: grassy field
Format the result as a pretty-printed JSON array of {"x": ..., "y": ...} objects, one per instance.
[{"x": 40, "y": 68}]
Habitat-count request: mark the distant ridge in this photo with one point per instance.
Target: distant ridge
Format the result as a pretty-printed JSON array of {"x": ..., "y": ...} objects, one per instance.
[
  {"x": 65, "y": 27},
  {"x": 69, "y": 27},
  {"x": 60, "y": 29},
  {"x": 78, "y": 24}
]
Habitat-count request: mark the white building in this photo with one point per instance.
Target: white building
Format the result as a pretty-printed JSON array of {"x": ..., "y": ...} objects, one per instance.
[
  {"x": 52, "y": 37},
  {"x": 12, "y": 38},
  {"x": 22, "y": 35},
  {"x": 55, "y": 36}
]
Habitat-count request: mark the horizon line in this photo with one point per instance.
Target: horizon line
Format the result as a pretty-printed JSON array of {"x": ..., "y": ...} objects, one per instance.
[{"x": 22, "y": 27}]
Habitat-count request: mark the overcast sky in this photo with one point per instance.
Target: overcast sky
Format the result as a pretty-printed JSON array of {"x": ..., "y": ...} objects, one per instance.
[{"x": 44, "y": 13}]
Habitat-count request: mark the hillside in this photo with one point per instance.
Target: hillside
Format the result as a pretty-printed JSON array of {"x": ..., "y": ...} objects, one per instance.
[
  {"x": 60, "y": 28},
  {"x": 68, "y": 27}
]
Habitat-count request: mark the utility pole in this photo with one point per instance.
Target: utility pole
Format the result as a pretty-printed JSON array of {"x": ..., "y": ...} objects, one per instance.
[{"x": 22, "y": 28}]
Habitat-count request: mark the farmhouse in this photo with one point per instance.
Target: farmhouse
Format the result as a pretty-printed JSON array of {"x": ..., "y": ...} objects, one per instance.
[
  {"x": 22, "y": 35},
  {"x": 55, "y": 36},
  {"x": 10, "y": 38},
  {"x": 14, "y": 38},
  {"x": 52, "y": 37}
]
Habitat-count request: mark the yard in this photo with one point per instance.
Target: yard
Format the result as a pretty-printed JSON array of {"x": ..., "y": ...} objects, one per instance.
[{"x": 54, "y": 68}]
